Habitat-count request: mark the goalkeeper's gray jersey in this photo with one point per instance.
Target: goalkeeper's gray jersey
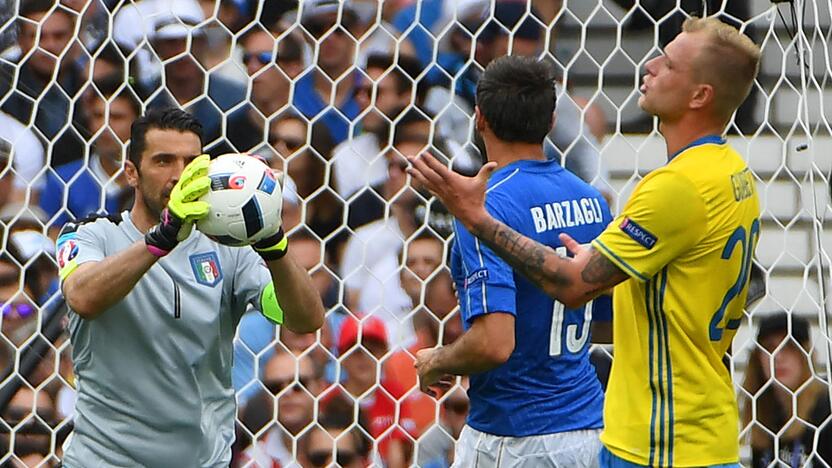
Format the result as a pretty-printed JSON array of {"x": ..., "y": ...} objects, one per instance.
[{"x": 154, "y": 371}]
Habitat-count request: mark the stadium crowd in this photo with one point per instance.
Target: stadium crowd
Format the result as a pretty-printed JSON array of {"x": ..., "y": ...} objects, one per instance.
[{"x": 336, "y": 95}]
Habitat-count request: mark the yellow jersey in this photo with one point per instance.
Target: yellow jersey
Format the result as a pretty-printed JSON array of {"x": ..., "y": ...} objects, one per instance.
[{"x": 686, "y": 237}]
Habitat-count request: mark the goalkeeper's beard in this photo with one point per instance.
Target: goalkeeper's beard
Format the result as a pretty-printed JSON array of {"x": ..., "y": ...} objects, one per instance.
[{"x": 154, "y": 201}]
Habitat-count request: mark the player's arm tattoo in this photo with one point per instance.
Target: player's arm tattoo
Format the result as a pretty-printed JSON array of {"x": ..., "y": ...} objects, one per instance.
[
  {"x": 537, "y": 262},
  {"x": 544, "y": 267},
  {"x": 602, "y": 272}
]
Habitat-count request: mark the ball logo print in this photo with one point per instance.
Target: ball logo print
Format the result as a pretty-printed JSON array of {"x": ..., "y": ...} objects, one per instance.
[
  {"x": 237, "y": 182},
  {"x": 246, "y": 201}
]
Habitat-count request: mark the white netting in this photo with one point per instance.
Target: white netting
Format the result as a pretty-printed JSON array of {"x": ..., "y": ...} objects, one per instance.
[{"x": 335, "y": 100}]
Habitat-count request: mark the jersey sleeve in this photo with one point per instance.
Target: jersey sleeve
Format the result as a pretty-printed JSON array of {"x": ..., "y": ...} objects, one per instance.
[
  {"x": 78, "y": 244},
  {"x": 487, "y": 281},
  {"x": 253, "y": 286},
  {"x": 602, "y": 305},
  {"x": 664, "y": 217}
]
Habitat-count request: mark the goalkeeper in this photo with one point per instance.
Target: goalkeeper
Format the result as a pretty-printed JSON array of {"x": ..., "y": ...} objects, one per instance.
[{"x": 154, "y": 307}]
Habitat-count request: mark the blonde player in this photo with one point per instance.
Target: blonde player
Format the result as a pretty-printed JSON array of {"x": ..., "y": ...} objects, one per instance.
[{"x": 678, "y": 255}]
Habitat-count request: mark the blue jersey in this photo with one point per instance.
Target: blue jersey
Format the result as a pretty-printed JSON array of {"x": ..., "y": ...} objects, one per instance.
[{"x": 548, "y": 385}]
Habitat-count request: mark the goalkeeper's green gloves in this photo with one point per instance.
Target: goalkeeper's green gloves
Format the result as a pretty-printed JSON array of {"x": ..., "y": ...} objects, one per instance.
[
  {"x": 274, "y": 247},
  {"x": 183, "y": 210}
]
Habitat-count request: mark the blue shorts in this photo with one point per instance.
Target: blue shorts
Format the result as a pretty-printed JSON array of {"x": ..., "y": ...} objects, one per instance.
[{"x": 608, "y": 460}]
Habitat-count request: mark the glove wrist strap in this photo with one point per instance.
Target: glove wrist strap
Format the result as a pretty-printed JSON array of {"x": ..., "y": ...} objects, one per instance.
[
  {"x": 156, "y": 251},
  {"x": 274, "y": 252}
]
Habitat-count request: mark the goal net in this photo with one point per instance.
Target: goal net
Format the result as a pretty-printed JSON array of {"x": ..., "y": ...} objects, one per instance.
[{"x": 335, "y": 93}]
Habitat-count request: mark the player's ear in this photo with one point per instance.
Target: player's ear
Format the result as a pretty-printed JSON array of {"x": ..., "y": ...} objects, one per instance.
[
  {"x": 703, "y": 96},
  {"x": 132, "y": 173},
  {"x": 479, "y": 120}
]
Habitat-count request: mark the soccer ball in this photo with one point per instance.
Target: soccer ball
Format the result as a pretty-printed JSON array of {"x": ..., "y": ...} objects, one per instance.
[{"x": 245, "y": 198}]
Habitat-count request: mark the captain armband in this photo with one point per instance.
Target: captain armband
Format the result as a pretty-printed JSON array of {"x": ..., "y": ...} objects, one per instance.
[{"x": 269, "y": 306}]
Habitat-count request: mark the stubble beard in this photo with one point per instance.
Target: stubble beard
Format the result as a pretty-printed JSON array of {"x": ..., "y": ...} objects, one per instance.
[{"x": 154, "y": 202}]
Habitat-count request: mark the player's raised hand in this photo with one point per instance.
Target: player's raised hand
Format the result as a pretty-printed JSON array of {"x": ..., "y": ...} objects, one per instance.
[
  {"x": 429, "y": 379},
  {"x": 184, "y": 208},
  {"x": 464, "y": 197},
  {"x": 574, "y": 247},
  {"x": 184, "y": 200}
]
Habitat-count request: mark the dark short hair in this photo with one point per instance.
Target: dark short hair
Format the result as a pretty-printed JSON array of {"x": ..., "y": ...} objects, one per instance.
[
  {"x": 170, "y": 118},
  {"x": 516, "y": 95},
  {"x": 405, "y": 69}
]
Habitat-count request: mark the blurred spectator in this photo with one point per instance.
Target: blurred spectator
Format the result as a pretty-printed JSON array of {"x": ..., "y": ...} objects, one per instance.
[
  {"x": 30, "y": 414},
  {"x": 291, "y": 203},
  {"x": 387, "y": 93},
  {"x": 94, "y": 16},
  {"x": 383, "y": 412},
  {"x": 224, "y": 19},
  {"x": 516, "y": 28},
  {"x": 25, "y": 227},
  {"x": 373, "y": 36},
  {"x": 306, "y": 165},
  {"x": 271, "y": 65},
  {"x": 256, "y": 333},
  {"x": 7, "y": 174},
  {"x": 292, "y": 383},
  {"x": 181, "y": 46},
  {"x": 422, "y": 23},
  {"x": 327, "y": 90},
  {"x": 780, "y": 379},
  {"x": 45, "y": 38},
  {"x": 134, "y": 25},
  {"x": 429, "y": 321},
  {"x": 20, "y": 145},
  {"x": 370, "y": 266},
  {"x": 19, "y": 302},
  {"x": 20, "y": 216},
  {"x": 411, "y": 137},
  {"x": 79, "y": 188},
  {"x": 421, "y": 257},
  {"x": 436, "y": 445},
  {"x": 332, "y": 442},
  {"x": 227, "y": 15},
  {"x": 465, "y": 58},
  {"x": 108, "y": 63}
]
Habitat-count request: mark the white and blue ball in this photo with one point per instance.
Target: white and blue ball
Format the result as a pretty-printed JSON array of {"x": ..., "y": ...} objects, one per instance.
[{"x": 245, "y": 198}]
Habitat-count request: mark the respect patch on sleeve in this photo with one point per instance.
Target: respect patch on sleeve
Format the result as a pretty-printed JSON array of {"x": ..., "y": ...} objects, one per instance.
[
  {"x": 644, "y": 237},
  {"x": 476, "y": 276}
]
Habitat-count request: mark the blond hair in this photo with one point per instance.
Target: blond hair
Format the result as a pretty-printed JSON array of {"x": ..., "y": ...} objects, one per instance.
[{"x": 729, "y": 62}]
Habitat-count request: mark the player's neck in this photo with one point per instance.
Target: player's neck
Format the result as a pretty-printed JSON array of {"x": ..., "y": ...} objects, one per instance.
[
  {"x": 505, "y": 153},
  {"x": 141, "y": 216},
  {"x": 679, "y": 134}
]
